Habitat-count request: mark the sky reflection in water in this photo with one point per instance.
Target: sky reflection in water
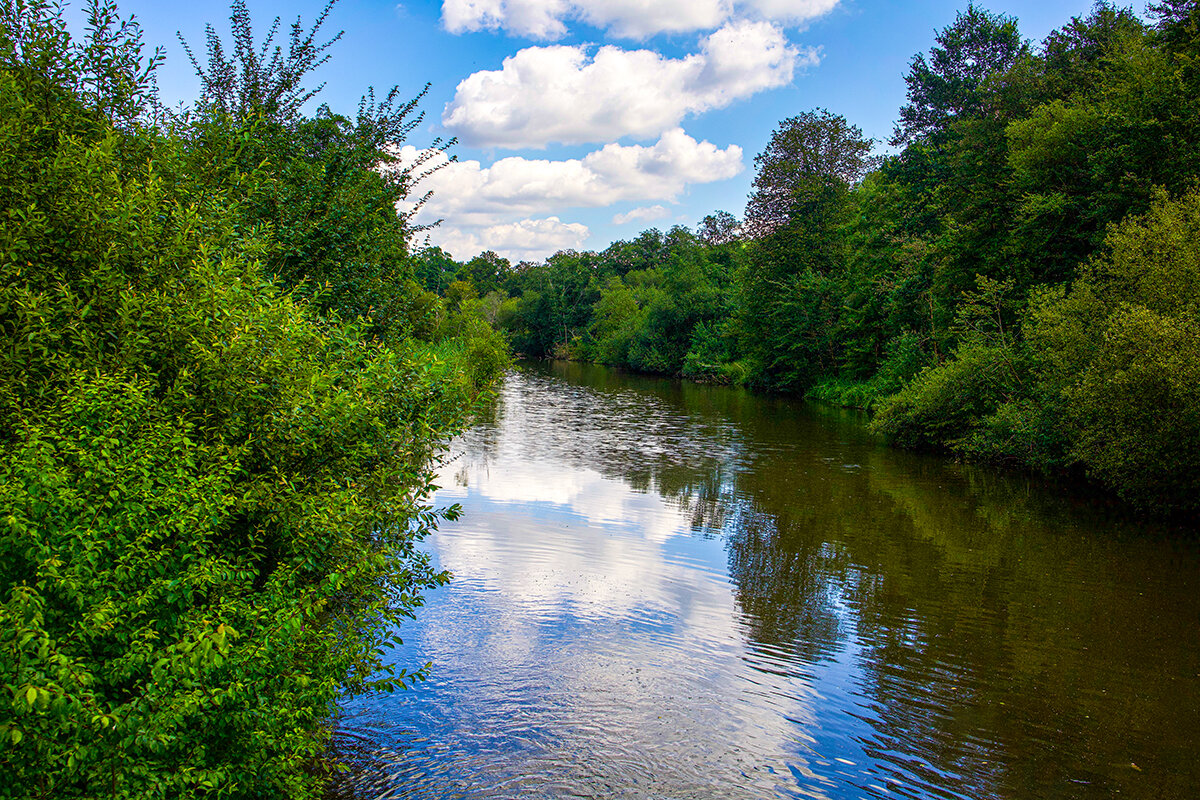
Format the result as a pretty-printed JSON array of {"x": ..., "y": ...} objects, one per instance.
[{"x": 665, "y": 590}]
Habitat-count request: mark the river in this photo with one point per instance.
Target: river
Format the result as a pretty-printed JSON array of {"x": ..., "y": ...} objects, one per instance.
[{"x": 666, "y": 590}]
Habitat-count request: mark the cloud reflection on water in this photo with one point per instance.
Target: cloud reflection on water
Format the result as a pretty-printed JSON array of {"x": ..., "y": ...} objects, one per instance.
[{"x": 634, "y": 649}]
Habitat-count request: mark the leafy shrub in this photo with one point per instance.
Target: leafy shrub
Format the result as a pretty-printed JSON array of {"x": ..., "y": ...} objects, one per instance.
[
  {"x": 482, "y": 353},
  {"x": 905, "y": 359},
  {"x": 1122, "y": 352},
  {"x": 840, "y": 392},
  {"x": 707, "y": 359},
  {"x": 945, "y": 403},
  {"x": 1022, "y": 432},
  {"x": 906, "y": 356},
  {"x": 211, "y": 492}
]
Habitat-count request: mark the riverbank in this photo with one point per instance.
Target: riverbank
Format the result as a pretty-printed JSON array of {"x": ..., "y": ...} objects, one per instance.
[
  {"x": 864, "y": 398},
  {"x": 219, "y": 407}
]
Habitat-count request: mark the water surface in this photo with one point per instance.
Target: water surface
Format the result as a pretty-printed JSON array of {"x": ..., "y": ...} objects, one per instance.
[{"x": 664, "y": 590}]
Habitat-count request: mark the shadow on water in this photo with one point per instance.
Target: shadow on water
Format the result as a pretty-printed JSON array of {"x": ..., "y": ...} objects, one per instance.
[{"x": 672, "y": 590}]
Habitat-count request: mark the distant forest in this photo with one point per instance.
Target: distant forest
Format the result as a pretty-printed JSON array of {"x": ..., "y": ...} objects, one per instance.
[{"x": 1018, "y": 282}]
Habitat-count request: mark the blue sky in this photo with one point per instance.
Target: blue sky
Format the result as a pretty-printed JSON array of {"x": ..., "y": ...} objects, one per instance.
[{"x": 585, "y": 121}]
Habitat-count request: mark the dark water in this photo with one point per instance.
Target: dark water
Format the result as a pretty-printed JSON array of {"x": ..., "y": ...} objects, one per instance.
[{"x": 673, "y": 591}]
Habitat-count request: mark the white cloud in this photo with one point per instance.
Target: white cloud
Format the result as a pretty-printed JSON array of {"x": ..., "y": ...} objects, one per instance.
[
  {"x": 561, "y": 94},
  {"x": 540, "y": 19},
  {"x": 466, "y": 193},
  {"x": 526, "y": 240},
  {"x": 478, "y": 204},
  {"x": 644, "y": 214},
  {"x": 638, "y": 19},
  {"x": 792, "y": 11}
]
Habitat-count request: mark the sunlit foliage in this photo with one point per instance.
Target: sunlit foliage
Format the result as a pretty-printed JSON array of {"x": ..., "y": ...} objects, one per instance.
[{"x": 212, "y": 472}]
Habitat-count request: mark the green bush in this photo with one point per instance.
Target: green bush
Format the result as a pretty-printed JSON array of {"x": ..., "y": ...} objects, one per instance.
[
  {"x": 904, "y": 360},
  {"x": 840, "y": 392},
  {"x": 1122, "y": 353},
  {"x": 1136, "y": 408},
  {"x": 1022, "y": 432},
  {"x": 906, "y": 356},
  {"x": 211, "y": 493},
  {"x": 707, "y": 359},
  {"x": 479, "y": 352},
  {"x": 945, "y": 403}
]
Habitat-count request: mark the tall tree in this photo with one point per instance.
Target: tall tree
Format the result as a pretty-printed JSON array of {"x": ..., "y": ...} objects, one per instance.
[
  {"x": 950, "y": 82},
  {"x": 809, "y": 156},
  {"x": 1076, "y": 56},
  {"x": 1179, "y": 25},
  {"x": 487, "y": 271},
  {"x": 795, "y": 215},
  {"x": 719, "y": 228}
]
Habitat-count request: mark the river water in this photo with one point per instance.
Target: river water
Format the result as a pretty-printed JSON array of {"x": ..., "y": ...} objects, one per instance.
[{"x": 664, "y": 590}]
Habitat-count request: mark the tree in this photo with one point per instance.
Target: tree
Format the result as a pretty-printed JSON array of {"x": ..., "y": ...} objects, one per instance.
[
  {"x": 557, "y": 299},
  {"x": 961, "y": 96},
  {"x": 328, "y": 185},
  {"x": 1122, "y": 352},
  {"x": 616, "y": 317},
  {"x": 488, "y": 271},
  {"x": 719, "y": 228},
  {"x": 212, "y": 493},
  {"x": 256, "y": 79},
  {"x": 809, "y": 157},
  {"x": 949, "y": 84},
  {"x": 787, "y": 300},
  {"x": 434, "y": 269},
  {"x": 1179, "y": 25},
  {"x": 1075, "y": 57}
]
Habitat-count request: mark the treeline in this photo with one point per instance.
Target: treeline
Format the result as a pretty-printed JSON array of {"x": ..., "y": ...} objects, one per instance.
[
  {"x": 1018, "y": 283},
  {"x": 220, "y": 388}
]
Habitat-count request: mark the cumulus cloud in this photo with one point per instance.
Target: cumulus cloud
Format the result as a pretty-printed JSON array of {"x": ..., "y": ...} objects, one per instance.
[
  {"x": 644, "y": 214},
  {"x": 637, "y": 19},
  {"x": 562, "y": 94},
  {"x": 792, "y": 11},
  {"x": 466, "y": 193},
  {"x": 477, "y": 204},
  {"x": 540, "y": 19},
  {"x": 526, "y": 240}
]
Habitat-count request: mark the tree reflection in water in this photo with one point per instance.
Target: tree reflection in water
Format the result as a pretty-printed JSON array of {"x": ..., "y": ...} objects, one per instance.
[{"x": 1025, "y": 640}]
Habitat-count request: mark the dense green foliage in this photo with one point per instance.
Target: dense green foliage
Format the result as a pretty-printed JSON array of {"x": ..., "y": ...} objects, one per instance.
[
  {"x": 1119, "y": 354},
  {"x": 1010, "y": 285},
  {"x": 216, "y": 422}
]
